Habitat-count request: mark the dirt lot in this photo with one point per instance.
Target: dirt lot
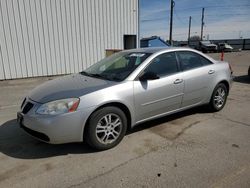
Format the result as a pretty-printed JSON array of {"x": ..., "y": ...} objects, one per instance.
[{"x": 190, "y": 149}]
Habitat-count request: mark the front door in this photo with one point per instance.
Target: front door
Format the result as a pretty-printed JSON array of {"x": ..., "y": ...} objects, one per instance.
[{"x": 159, "y": 96}]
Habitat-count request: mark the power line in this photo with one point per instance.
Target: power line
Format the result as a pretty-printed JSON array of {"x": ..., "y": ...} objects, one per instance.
[
  {"x": 178, "y": 18},
  {"x": 155, "y": 19},
  {"x": 217, "y": 15},
  {"x": 194, "y": 20},
  {"x": 214, "y": 6},
  {"x": 228, "y": 14}
]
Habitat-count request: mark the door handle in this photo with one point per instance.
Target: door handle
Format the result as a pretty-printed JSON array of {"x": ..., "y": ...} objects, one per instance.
[
  {"x": 178, "y": 81},
  {"x": 211, "y": 71}
]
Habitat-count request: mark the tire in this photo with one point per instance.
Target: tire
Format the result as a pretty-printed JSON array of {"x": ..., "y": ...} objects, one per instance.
[
  {"x": 106, "y": 128},
  {"x": 218, "y": 98}
]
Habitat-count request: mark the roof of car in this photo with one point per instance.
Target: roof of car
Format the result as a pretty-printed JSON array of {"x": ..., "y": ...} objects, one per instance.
[{"x": 157, "y": 49}]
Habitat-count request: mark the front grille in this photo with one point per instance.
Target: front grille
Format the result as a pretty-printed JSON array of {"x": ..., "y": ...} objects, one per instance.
[
  {"x": 27, "y": 107},
  {"x": 36, "y": 134}
]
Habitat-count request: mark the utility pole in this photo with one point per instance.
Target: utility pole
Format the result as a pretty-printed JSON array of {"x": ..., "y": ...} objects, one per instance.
[
  {"x": 171, "y": 21},
  {"x": 202, "y": 23},
  {"x": 138, "y": 24},
  {"x": 189, "y": 28}
]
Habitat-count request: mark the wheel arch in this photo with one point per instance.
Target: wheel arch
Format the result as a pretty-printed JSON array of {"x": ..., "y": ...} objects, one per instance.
[
  {"x": 223, "y": 81},
  {"x": 226, "y": 83},
  {"x": 211, "y": 106},
  {"x": 119, "y": 105}
]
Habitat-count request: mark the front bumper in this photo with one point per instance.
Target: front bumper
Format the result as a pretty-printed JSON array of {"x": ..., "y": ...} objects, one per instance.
[{"x": 58, "y": 129}]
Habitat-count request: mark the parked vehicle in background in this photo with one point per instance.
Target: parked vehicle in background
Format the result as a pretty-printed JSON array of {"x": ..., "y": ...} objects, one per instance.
[
  {"x": 153, "y": 41},
  {"x": 194, "y": 44},
  {"x": 99, "y": 104},
  {"x": 207, "y": 46},
  {"x": 224, "y": 47}
]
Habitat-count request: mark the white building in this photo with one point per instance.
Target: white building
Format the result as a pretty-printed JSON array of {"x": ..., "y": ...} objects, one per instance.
[{"x": 51, "y": 37}]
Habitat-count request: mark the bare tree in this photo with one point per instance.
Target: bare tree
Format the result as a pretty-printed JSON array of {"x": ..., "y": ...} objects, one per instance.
[{"x": 195, "y": 38}]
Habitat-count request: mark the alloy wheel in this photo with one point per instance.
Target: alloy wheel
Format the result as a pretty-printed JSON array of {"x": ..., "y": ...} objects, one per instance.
[
  {"x": 108, "y": 128},
  {"x": 219, "y": 97}
]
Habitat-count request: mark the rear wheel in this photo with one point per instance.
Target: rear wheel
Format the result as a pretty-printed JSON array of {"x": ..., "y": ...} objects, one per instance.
[
  {"x": 106, "y": 128},
  {"x": 219, "y": 97}
]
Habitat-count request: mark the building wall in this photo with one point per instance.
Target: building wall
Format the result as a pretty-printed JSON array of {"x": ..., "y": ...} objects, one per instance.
[{"x": 51, "y": 37}]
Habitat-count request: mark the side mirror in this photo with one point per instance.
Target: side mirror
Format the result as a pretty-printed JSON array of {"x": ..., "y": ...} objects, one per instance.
[{"x": 148, "y": 76}]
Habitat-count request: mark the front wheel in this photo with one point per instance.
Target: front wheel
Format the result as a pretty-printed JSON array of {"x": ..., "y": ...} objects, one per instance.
[
  {"x": 219, "y": 97},
  {"x": 106, "y": 128}
]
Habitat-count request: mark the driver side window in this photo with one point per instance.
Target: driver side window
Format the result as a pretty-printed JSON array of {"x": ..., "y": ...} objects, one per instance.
[{"x": 163, "y": 65}]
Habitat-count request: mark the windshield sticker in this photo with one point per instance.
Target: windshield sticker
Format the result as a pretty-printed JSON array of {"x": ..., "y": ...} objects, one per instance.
[{"x": 136, "y": 55}]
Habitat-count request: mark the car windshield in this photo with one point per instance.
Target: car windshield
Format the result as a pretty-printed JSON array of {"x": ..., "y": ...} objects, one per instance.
[{"x": 116, "y": 67}]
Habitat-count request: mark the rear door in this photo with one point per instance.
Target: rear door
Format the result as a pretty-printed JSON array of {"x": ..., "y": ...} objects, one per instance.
[{"x": 197, "y": 74}]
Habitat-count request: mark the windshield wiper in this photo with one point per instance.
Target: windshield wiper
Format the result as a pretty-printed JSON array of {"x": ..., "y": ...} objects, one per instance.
[
  {"x": 84, "y": 73},
  {"x": 94, "y": 75},
  {"x": 98, "y": 76}
]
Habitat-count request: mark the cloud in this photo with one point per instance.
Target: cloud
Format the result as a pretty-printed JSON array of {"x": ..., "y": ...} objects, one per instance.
[{"x": 153, "y": 13}]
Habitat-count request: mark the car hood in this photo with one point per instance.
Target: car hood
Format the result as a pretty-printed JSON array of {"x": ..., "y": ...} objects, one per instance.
[{"x": 70, "y": 86}]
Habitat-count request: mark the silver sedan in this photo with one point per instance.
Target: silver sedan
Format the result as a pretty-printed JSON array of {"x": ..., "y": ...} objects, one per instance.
[{"x": 100, "y": 103}]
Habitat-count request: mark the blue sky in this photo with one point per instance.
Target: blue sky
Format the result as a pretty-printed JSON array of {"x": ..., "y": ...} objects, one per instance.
[{"x": 224, "y": 19}]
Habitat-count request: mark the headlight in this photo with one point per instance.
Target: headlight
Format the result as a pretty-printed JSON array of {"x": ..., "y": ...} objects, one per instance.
[{"x": 59, "y": 106}]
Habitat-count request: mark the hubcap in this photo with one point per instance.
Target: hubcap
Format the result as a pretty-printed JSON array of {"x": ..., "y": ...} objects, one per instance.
[
  {"x": 108, "y": 128},
  {"x": 219, "y": 97}
]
